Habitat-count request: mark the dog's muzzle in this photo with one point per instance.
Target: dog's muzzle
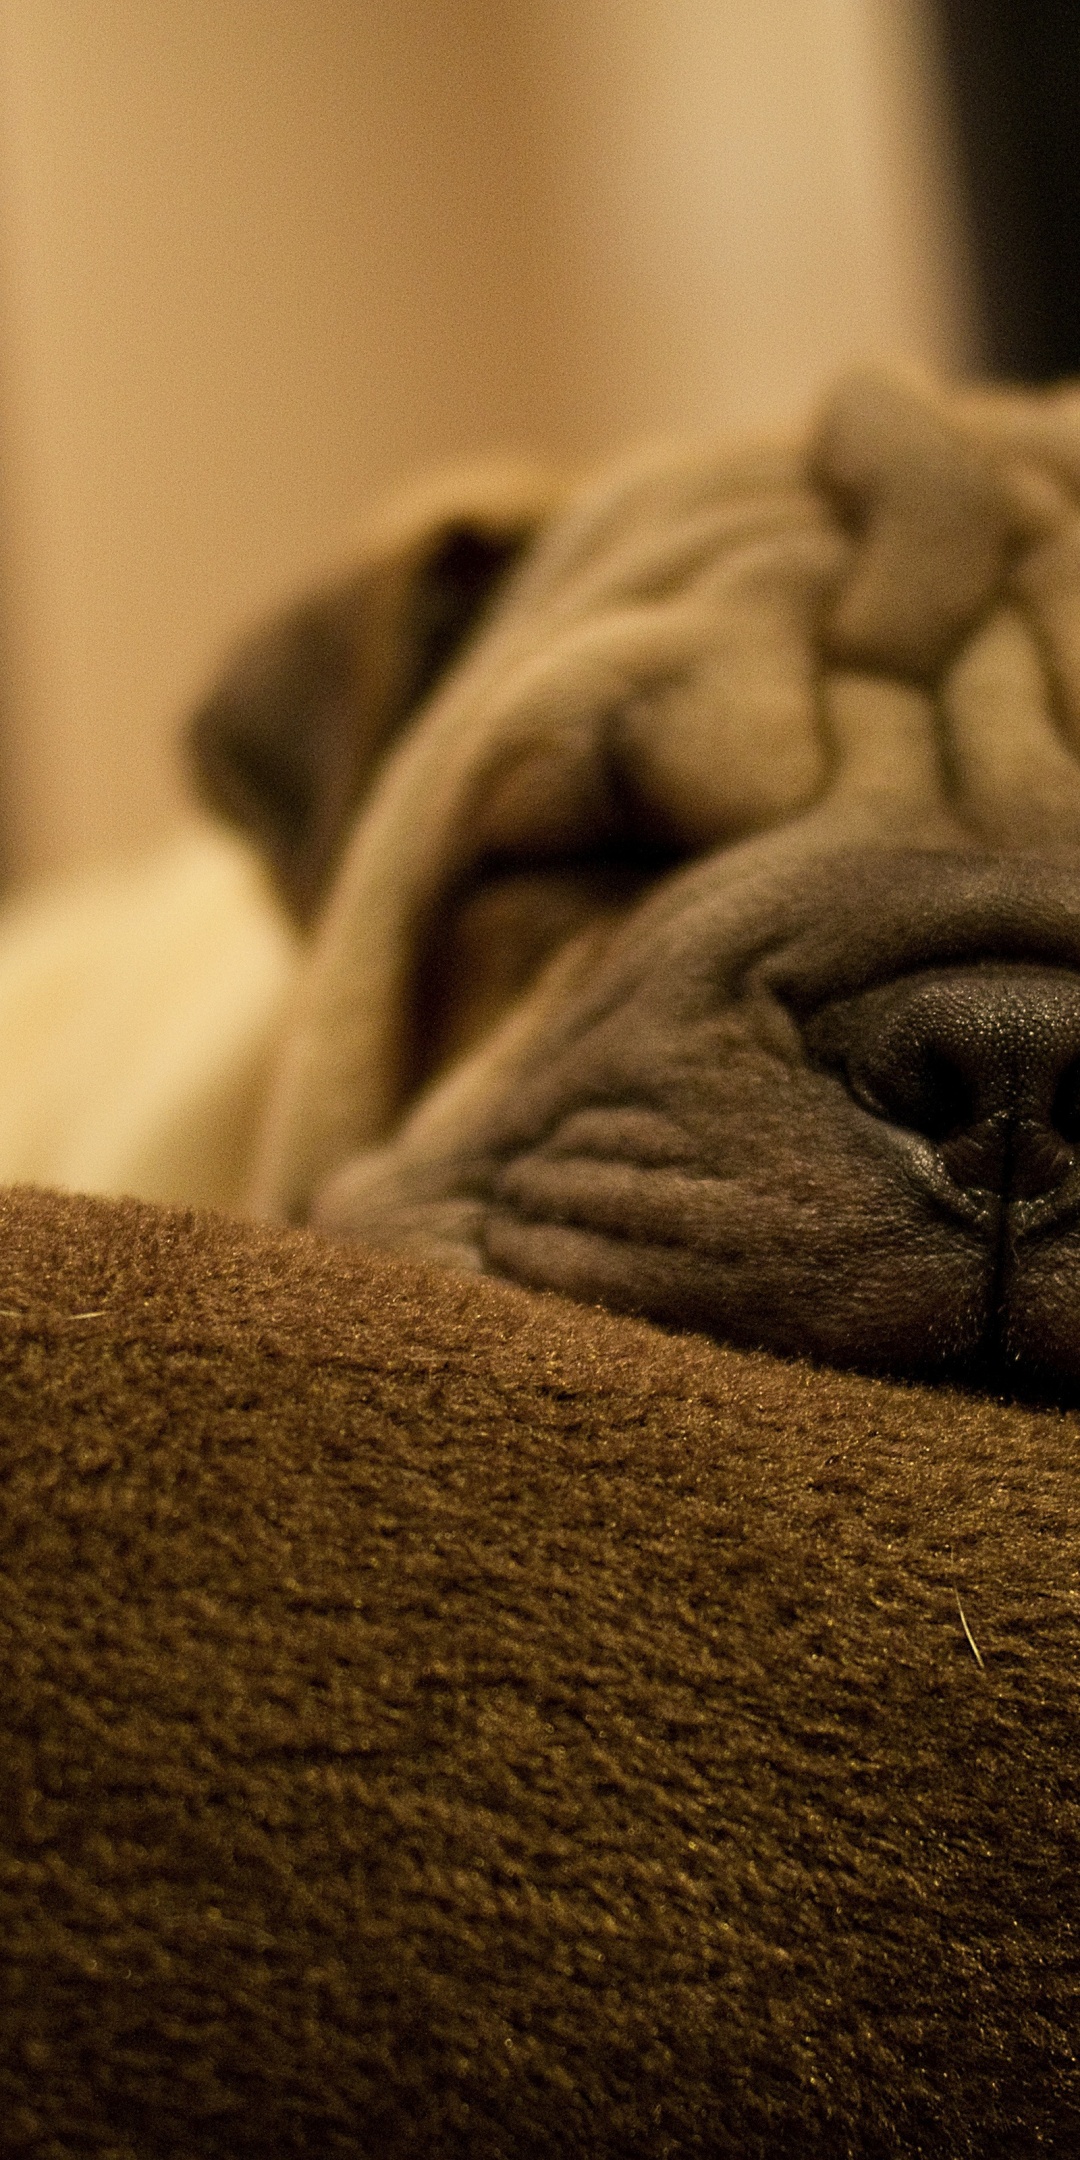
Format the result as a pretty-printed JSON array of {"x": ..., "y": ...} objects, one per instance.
[{"x": 866, "y": 1149}]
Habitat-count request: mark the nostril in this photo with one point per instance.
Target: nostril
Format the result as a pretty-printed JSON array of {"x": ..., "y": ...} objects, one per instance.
[
  {"x": 983, "y": 1061},
  {"x": 1065, "y": 1114},
  {"x": 894, "y": 1062},
  {"x": 927, "y": 1091}
]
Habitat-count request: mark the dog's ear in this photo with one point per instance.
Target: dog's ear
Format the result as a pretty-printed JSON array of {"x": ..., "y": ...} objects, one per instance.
[{"x": 286, "y": 742}]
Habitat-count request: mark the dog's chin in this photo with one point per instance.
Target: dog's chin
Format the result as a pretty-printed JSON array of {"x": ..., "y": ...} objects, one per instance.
[
  {"x": 887, "y": 1280},
  {"x": 941, "y": 1313}
]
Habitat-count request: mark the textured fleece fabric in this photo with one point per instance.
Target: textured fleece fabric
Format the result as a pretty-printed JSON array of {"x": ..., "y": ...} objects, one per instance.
[{"x": 438, "y": 1720}]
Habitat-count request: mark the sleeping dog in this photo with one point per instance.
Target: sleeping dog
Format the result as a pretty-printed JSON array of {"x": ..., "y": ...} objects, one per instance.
[{"x": 689, "y": 873}]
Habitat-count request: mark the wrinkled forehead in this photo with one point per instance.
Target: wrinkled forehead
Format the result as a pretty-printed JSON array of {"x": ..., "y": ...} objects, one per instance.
[{"x": 711, "y": 642}]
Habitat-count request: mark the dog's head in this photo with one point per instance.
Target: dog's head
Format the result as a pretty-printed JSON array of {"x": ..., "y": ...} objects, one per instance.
[{"x": 694, "y": 872}]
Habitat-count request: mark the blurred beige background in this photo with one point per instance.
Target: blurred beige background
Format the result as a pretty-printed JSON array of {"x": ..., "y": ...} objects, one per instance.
[{"x": 261, "y": 258}]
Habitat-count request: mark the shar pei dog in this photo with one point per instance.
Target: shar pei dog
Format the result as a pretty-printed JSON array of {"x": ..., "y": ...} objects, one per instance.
[
  {"x": 689, "y": 873},
  {"x": 693, "y": 878}
]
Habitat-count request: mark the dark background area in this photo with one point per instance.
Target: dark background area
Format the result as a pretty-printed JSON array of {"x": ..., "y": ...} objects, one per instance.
[{"x": 1014, "y": 73}]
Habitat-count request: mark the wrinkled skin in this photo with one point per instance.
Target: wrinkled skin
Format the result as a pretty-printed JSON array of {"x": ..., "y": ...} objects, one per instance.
[
  {"x": 804, "y": 1074},
  {"x": 687, "y": 1141}
]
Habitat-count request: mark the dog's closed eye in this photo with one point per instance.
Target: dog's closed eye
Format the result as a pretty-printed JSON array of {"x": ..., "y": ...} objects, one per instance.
[{"x": 493, "y": 936}]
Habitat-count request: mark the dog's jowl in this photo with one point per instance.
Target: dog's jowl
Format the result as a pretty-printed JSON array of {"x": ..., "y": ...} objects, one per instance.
[{"x": 694, "y": 876}]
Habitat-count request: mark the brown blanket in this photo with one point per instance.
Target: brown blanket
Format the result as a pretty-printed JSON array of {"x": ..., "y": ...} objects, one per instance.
[{"x": 442, "y": 1721}]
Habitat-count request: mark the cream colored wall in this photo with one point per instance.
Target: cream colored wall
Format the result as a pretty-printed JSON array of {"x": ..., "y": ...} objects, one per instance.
[{"x": 259, "y": 258}]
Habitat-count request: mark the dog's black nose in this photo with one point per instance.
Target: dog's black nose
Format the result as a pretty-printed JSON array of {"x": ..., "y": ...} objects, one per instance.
[{"x": 983, "y": 1060}]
